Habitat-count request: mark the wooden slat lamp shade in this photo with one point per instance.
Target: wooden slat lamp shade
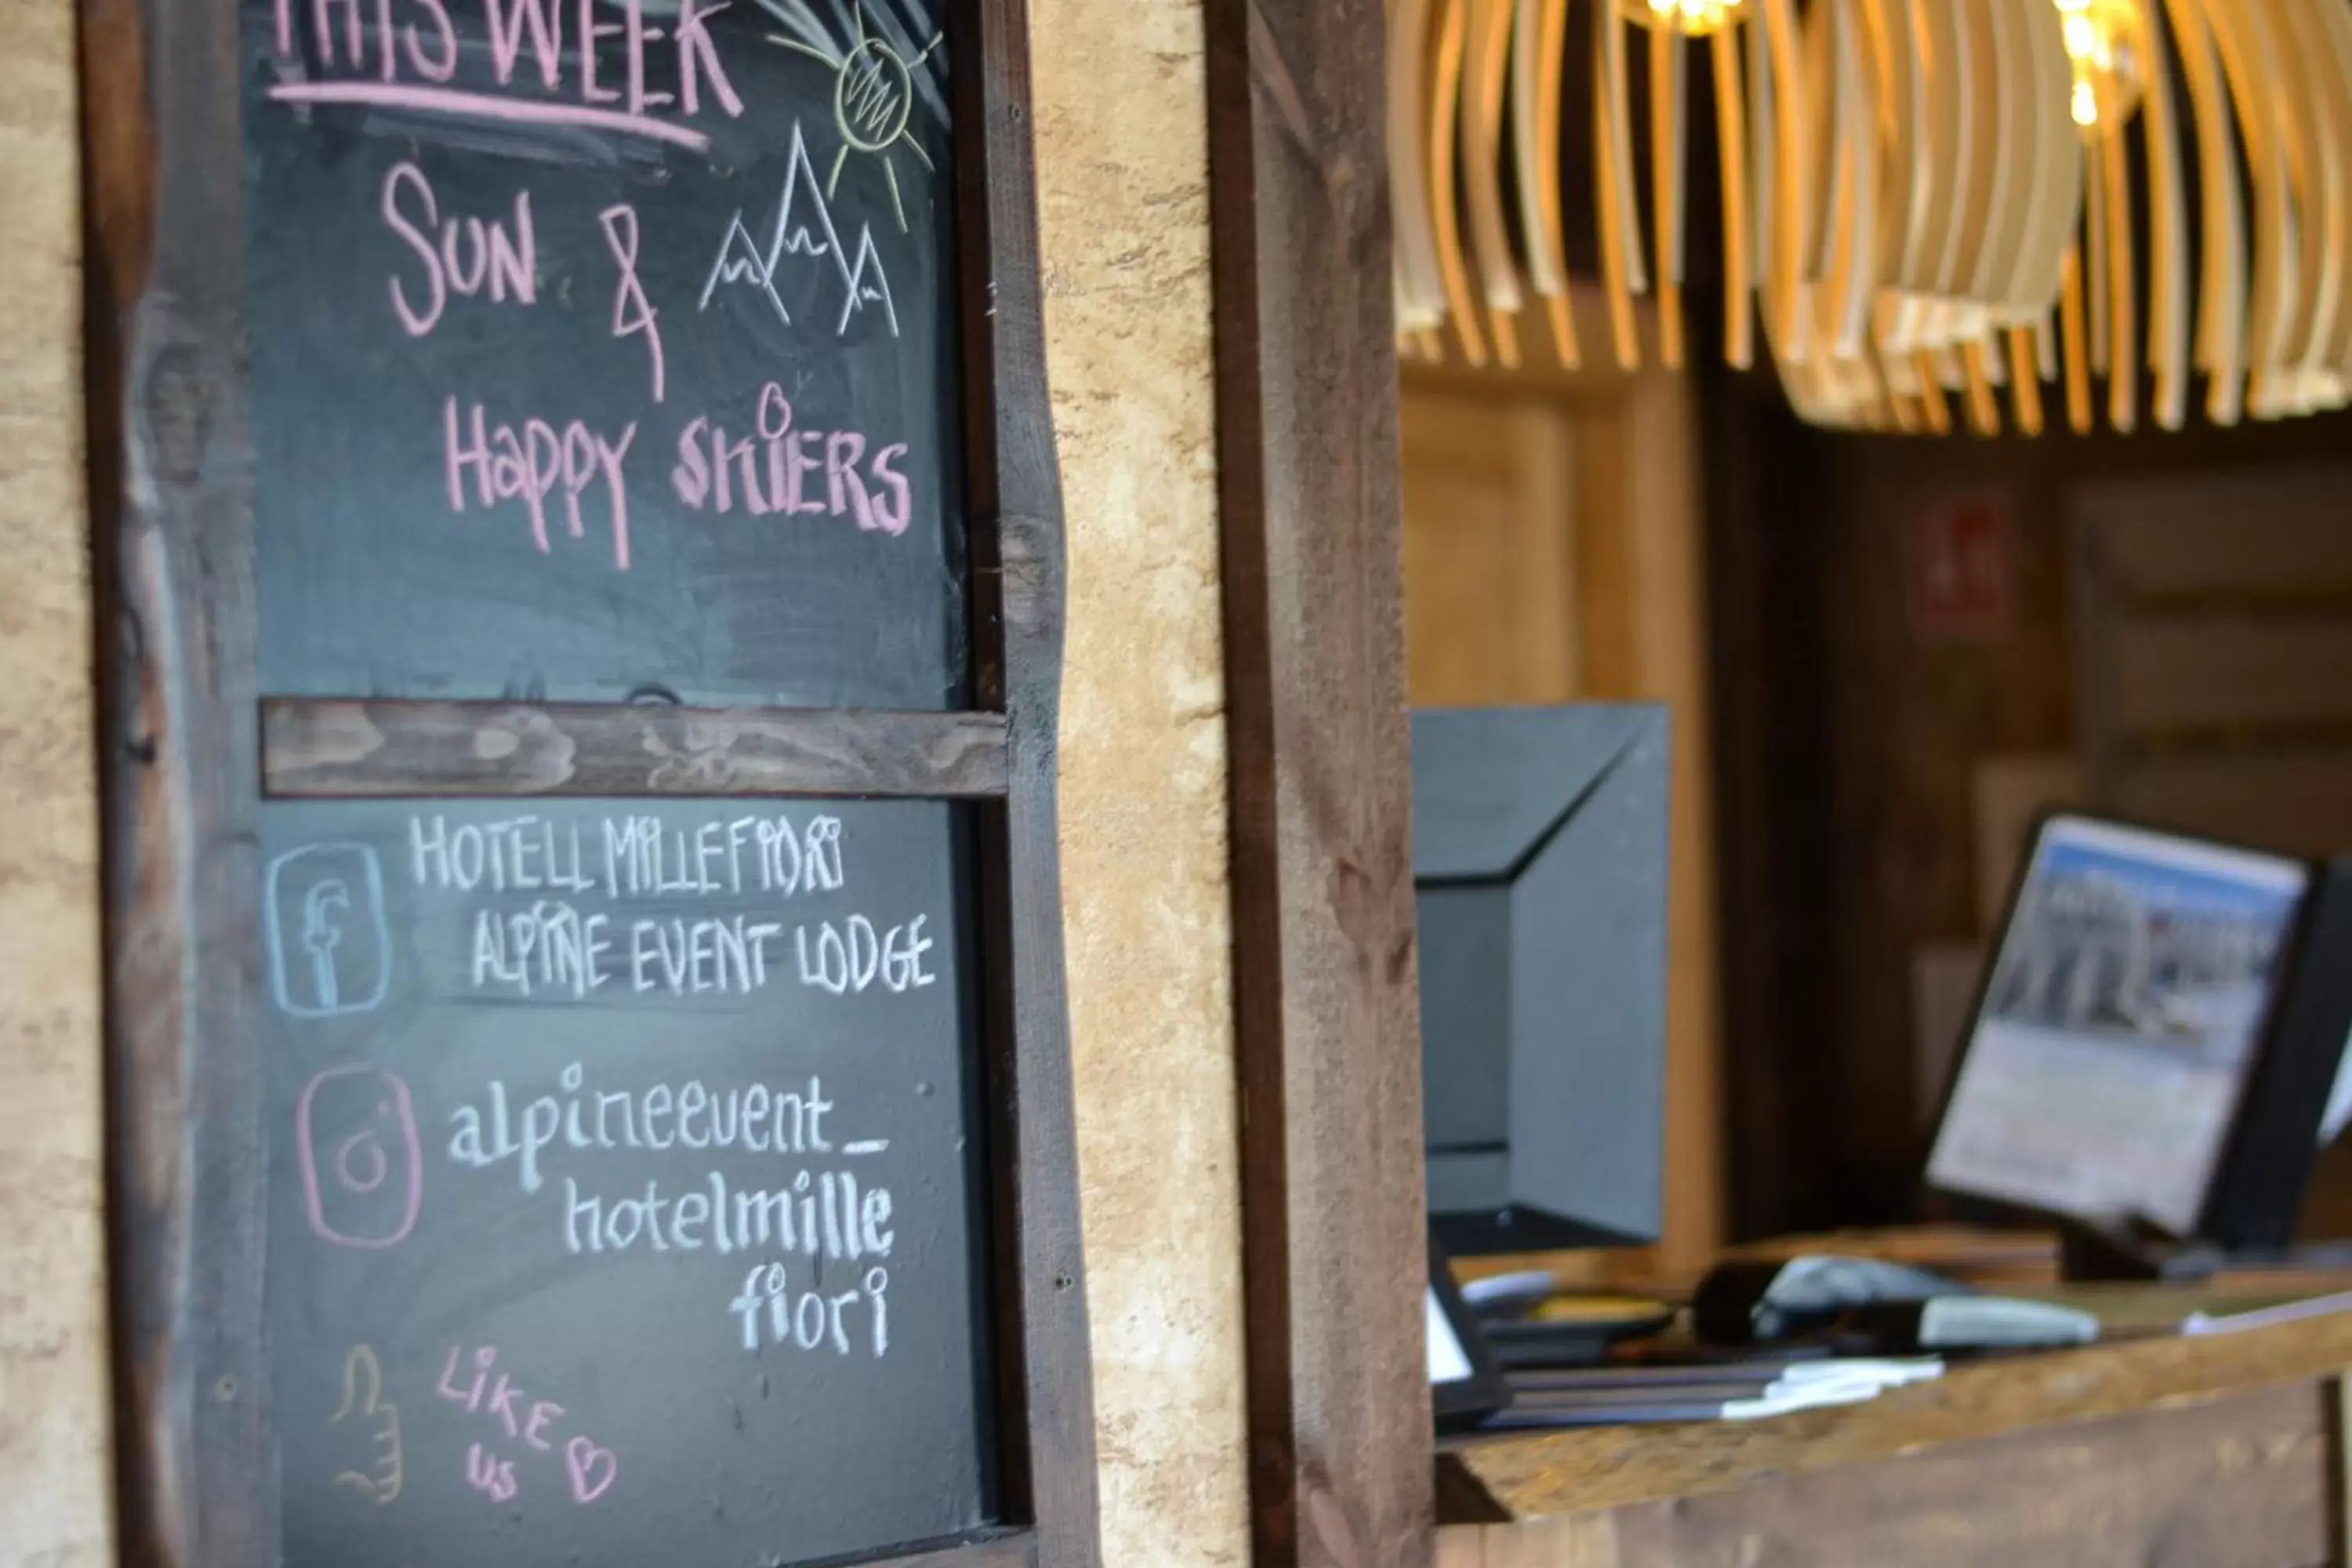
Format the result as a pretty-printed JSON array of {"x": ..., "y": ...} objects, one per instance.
[{"x": 1930, "y": 209}]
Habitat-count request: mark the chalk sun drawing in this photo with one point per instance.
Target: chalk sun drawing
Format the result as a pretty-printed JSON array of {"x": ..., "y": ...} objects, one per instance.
[{"x": 873, "y": 101}]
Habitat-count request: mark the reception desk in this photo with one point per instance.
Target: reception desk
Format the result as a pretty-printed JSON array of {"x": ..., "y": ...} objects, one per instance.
[{"x": 2226, "y": 1451}]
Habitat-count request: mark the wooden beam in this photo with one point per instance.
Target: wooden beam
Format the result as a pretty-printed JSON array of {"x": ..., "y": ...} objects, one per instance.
[
  {"x": 1013, "y": 1549},
  {"x": 1013, "y": 489},
  {"x": 1570, "y": 1472},
  {"x": 2243, "y": 1480},
  {"x": 1325, "y": 998},
  {"x": 171, "y": 526},
  {"x": 334, "y": 747},
  {"x": 2340, "y": 1433}
]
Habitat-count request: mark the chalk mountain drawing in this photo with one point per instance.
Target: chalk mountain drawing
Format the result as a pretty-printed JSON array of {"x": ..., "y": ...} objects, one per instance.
[{"x": 802, "y": 236}]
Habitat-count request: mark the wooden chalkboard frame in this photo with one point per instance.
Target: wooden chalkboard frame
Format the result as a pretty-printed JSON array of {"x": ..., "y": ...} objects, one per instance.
[{"x": 190, "y": 750}]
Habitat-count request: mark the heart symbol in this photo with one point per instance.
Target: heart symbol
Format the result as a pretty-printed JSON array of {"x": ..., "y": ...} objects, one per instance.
[{"x": 581, "y": 1457}]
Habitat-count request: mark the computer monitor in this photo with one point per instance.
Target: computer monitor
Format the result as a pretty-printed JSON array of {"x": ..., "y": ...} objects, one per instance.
[
  {"x": 1539, "y": 873},
  {"x": 2148, "y": 1044},
  {"x": 2301, "y": 1094}
]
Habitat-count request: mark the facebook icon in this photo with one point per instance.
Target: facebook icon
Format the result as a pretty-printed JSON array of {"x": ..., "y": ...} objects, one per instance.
[{"x": 330, "y": 950}]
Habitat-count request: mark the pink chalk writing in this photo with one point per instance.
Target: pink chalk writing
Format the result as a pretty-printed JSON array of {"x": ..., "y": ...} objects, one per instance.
[
  {"x": 485, "y": 106},
  {"x": 487, "y": 1474},
  {"x": 364, "y": 1151},
  {"x": 361, "y": 1163},
  {"x": 443, "y": 65},
  {"x": 439, "y": 66},
  {"x": 424, "y": 46},
  {"x": 582, "y": 1459},
  {"x": 507, "y": 19},
  {"x": 590, "y": 31},
  {"x": 591, "y": 1468},
  {"x": 639, "y": 35},
  {"x": 504, "y": 259},
  {"x": 696, "y": 55},
  {"x": 502, "y": 1400},
  {"x": 532, "y": 464},
  {"x": 776, "y": 468},
  {"x": 632, "y": 312}
]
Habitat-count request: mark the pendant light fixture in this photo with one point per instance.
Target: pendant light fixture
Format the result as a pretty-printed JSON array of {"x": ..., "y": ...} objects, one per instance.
[{"x": 1932, "y": 209}]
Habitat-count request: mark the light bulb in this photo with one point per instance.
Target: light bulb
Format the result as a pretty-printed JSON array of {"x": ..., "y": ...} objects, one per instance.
[
  {"x": 2105, "y": 41},
  {"x": 1691, "y": 18}
]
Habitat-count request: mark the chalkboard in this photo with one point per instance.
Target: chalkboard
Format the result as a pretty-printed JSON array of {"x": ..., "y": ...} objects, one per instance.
[
  {"x": 452, "y": 948},
  {"x": 610, "y": 366},
  {"x": 625, "y": 1185}
]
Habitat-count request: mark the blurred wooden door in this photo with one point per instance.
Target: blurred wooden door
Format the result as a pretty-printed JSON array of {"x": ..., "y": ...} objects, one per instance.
[
  {"x": 2213, "y": 618},
  {"x": 1489, "y": 550},
  {"x": 2214, "y": 634},
  {"x": 1552, "y": 544}
]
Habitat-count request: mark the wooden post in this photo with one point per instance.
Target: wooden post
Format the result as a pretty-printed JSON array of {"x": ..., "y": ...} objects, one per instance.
[
  {"x": 2340, "y": 1440},
  {"x": 1325, "y": 995}
]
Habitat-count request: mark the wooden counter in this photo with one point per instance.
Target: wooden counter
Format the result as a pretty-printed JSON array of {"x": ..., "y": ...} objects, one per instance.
[{"x": 2220, "y": 1452}]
